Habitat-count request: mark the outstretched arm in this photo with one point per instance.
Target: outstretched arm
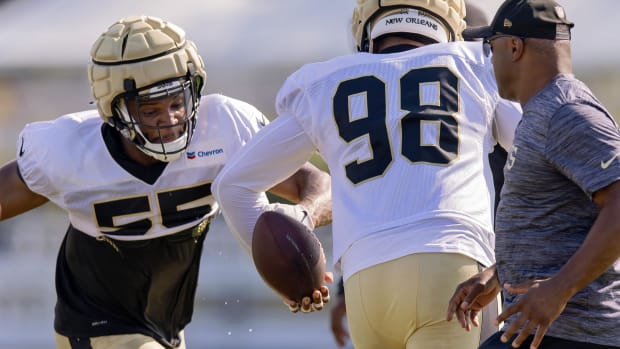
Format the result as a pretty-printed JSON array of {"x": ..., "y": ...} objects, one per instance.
[
  {"x": 15, "y": 197},
  {"x": 275, "y": 159}
]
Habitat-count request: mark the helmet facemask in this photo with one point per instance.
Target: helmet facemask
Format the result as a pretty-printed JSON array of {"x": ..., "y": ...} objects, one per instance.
[
  {"x": 142, "y": 63},
  {"x": 134, "y": 116}
]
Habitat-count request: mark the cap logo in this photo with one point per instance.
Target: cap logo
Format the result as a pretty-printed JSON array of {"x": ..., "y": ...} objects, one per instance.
[
  {"x": 560, "y": 12},
  {"x": 507, "y": 23}
]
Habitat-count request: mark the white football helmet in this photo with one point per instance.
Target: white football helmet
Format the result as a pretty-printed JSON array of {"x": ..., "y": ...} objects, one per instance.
[
  {"x": 448, "y": 13},
  {"x": 144, "y": 58}
]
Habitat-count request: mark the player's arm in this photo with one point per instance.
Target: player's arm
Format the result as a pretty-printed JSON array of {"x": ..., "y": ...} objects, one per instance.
[
  {"x": 309, "y": 187},
  {"x": 15, "y": 197},
  {"x": 267, "y": 162}
]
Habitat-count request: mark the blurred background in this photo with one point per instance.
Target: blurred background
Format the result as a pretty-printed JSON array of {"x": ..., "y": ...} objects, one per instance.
[{"x": 250, "y": 47}]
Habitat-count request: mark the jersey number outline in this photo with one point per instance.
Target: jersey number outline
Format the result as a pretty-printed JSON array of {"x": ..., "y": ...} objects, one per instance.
[
  {"x": 170, "y": 204},
  {"x": 374, "y": 124}
]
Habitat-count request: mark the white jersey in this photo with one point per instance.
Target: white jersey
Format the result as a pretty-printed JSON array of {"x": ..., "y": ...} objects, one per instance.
[
  {"x": 67, "y": 161},
  {"x": 406, "y": 138}
]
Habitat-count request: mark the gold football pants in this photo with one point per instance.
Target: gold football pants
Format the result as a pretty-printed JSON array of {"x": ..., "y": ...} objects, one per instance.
[{"x": 402, "y": 304}]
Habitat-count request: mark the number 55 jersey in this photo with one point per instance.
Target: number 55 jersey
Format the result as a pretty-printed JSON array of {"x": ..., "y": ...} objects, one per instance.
[{"x": 129, "y": 261}]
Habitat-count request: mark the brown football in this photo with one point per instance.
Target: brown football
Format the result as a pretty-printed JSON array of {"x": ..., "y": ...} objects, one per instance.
[{"x": 287, "y": 255}]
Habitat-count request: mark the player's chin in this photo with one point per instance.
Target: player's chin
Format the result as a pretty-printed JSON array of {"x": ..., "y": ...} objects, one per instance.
[{"x": 165, "y": 138}]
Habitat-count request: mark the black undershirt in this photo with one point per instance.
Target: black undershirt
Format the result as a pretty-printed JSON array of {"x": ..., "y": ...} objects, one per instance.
[{"x": 113, "y": 142}]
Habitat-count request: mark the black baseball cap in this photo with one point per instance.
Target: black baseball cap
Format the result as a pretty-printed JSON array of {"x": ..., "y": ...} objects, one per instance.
[{"x": 543, "y": 19}]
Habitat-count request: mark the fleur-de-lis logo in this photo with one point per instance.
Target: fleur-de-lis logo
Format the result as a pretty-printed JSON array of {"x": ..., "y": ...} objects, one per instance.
[{"x": 507, "y": 23}]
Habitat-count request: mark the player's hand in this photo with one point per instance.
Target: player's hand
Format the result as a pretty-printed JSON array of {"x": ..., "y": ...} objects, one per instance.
[
  {"x": 472, "y": 295},
  {"x": 337, "y": 322},
  {"x": 315, "y": 303},
  {"x": 541, "y": 303}
]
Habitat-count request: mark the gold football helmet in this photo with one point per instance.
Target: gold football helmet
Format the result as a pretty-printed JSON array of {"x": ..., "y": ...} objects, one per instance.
[
  {"x": 449, "y": 13},
  {"x": 144, "y": 58}
]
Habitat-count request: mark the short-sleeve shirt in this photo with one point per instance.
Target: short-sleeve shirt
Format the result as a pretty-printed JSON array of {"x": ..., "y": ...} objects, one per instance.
[{"x": 566, "y": 147}]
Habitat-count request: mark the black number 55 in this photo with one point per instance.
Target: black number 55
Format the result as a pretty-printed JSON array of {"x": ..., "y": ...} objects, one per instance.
[{"x": 131, "y": 215}]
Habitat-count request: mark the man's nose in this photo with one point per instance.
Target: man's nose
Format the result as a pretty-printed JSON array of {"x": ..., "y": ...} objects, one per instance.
[{"x": 169, "y": 117}]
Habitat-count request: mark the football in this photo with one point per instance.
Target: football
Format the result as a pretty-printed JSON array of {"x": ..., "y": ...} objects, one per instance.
[{"x": 287, "y": 255}]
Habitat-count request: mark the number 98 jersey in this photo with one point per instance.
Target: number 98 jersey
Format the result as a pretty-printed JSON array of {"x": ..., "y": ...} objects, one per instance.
[{"x": 405, "y": 137}]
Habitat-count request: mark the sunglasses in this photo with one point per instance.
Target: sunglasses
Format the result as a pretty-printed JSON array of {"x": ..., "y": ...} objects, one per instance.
[{"x": 487, "y": 48}]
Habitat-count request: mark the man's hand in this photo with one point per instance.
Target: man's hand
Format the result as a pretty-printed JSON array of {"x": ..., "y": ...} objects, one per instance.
[
  {"x": 307, "y": 305},
  {"x": 541, "y": 304},
  {"x": 472, "y": 295},
  {"x": 337, "y": 322}
]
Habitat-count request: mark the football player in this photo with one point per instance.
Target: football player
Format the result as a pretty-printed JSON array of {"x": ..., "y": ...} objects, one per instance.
[
  {"x": 475, "y": 16},
  {"x": 134, "y": 177},
  {"x": 405, "y": 127}
]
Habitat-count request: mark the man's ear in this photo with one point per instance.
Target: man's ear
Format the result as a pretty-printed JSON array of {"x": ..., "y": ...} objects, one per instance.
[{"x": 517, "y": 46}]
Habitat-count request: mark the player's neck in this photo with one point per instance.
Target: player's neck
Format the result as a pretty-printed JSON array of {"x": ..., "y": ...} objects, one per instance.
[
  {"x": 385, "y": 44},
  {"x": 136, "y": 154}
]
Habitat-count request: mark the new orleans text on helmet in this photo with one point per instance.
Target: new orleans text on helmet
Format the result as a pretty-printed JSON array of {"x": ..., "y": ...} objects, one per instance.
[{"x": 413, "y": 20}]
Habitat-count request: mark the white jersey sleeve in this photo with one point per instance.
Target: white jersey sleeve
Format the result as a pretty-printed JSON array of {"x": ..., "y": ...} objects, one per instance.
[
  {"x": 246, "y": 177},
  {"x": 507, "y": 117}
]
